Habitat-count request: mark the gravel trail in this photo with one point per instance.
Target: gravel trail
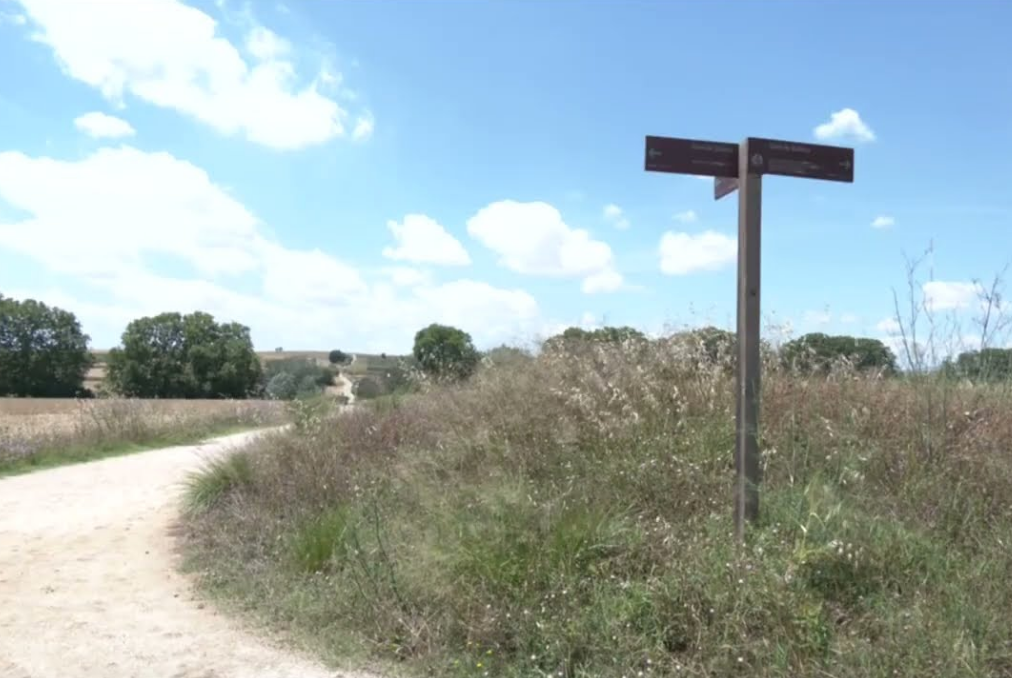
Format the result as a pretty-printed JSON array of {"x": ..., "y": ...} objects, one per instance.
[{"x": 88, "y": 580}]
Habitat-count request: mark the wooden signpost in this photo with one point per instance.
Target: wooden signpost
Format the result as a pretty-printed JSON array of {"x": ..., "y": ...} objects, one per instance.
[{"x": 740, "y": 167}]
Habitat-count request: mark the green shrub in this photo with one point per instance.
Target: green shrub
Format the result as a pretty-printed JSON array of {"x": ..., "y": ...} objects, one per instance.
[
  {"x": 368, "y": 387},
  {"x": 304, "y": 377},
  {"x": 206, "y": 487},
  {"x": 282, "y": 386},
  {"x": 323, "y": 543}
]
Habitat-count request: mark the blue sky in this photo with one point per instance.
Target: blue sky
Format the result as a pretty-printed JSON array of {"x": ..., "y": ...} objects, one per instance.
[{"x": 339, "y": 174}]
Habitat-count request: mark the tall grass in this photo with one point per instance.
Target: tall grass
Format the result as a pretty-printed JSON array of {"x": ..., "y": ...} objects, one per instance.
[
  {"x": 571, "y": 516},
  {"x": 42, "y": 433}
]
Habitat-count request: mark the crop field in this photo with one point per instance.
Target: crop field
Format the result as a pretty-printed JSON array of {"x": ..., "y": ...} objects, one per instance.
[{"x": 47, "y": 431}]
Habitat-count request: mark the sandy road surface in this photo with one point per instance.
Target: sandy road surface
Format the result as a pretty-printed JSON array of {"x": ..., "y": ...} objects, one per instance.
[{"x": 88, "y": 585}]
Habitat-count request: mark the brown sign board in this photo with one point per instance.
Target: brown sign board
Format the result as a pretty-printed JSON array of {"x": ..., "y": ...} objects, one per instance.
[
  {"x": 691, "y": 156},
  {"x": 724, "y": 186},
  {"x": 792, "y": 159}
]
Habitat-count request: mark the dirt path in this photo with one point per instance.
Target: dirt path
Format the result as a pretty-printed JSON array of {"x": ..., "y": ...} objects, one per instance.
[
  {"x": 88, "y": 585},
  {"x": 346, "y": 387}
]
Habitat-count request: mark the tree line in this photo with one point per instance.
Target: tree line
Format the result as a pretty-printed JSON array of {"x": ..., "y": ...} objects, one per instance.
[{"x": 45, "y": 353}]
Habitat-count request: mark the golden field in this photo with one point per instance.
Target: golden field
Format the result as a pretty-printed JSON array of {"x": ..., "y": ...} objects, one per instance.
[{"x": 35, "y": 430}]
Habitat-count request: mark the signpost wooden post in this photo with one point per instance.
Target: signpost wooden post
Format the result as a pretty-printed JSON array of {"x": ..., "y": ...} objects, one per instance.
[{"x": 740, "y": 167}]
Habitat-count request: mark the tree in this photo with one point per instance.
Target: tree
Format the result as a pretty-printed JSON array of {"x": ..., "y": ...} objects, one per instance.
[
  {"x": 43, "y": 352},
  {"x": 989, "y": 364},
  {"x": 508, "y": 356},
  {"x": 337, "y": 357},
  {"x": 576, "y": 337},
  {"x": 445, "y": 352},
  {"x": 816, "y": 352},
  {"x": 184, "y": 356}
]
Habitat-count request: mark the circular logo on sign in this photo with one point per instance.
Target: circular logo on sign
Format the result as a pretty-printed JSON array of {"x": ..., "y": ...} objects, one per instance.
[{"x": 757, "y": 159}]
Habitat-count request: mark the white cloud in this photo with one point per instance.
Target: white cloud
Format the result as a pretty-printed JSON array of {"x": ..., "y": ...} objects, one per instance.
[
  {"x": 888, "y": 326},
  {"x": 532, "y": 238},
  {"x": 171, "y": 55},
  {"x": 883, "y": 221},
  {"x": 307, "y": 275},
  {"x": 820, "y": 318},
  {"x": 614, "y": 215},
  {"x": 940, "y": 295},
  {"x": 684, "y": 253},
  {"x": 364, "y": 127},
  {"x": 148, "y": 202},
  {"x": 844, "y": 124},
  {"x": 119, "y": 207},
  {"x": 405, "y": 276},
  {"x": 265, "y": 44},
  {"x": 686, "y": 217},
  {"x": 848, "y": 318},
  {"x": 15, "y": 18},
  {"x": 103, "y": 126},
  {"x": 607, "y": 280},
  {"x": 589, "y": 321},
  {"x": 422, "y": 240}
]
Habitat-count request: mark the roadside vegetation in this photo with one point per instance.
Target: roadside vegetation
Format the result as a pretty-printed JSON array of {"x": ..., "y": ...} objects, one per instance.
[
  {"x": 568, "y": 514},
  {"x": 41, "y": 433}
]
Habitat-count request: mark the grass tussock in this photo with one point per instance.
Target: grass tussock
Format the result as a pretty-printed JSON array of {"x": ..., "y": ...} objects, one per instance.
[
  {"x": 41, "y": 433},
  {"x": 570, "y": 516},
  {"x": 204, "y": 488}
]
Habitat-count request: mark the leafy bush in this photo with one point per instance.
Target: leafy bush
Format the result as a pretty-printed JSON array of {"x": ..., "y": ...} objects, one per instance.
[
  {"x": 303, "y": 377},
  {"x": 282, "y": 386},
  {"x": 368, "y": 387}
]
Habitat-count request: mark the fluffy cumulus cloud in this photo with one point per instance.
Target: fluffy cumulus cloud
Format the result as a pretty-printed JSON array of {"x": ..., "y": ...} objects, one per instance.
[
  {"x": 406, "y": 276},
  {"x": 614, "y": 215},
  {"x": 844, "y": 125},
  {"x": 883, "y": 221},
  {"x": 14, "y": 18},
  {"x": 940, "y": 295},
  {"x": 422, "y": 240},
  {"x": 102, "y": 126},
  {"x": 532, "y": 238},
  {"x": 122, "y": 209},
  {"x": 686, "y": 217},
  {"x": 684, "y": 253},
  {"x": 174, "y": 56},
  {"x": 888, "y": 326}
]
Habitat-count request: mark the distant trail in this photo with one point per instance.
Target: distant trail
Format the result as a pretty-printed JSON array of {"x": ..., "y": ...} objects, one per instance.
[{"x": 88, "y": 581}]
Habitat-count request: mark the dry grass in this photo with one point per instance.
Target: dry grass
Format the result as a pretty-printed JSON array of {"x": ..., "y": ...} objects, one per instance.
[
  {"x": 38, "y": 433},
  {"x": 571, "y": 517}
]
